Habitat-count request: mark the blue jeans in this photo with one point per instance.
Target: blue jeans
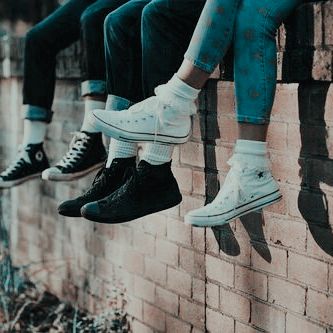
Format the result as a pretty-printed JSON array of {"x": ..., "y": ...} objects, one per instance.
[
  {"x": 145, "y": 42},
  {"x": 77, "y": 19},
  {"x": 251, "y": 25}
]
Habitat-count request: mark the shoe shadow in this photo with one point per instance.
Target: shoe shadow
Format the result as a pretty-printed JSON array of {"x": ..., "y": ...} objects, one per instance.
[
  {"x": 253, "y": 222},
  {"x": 316, "y": 167}
]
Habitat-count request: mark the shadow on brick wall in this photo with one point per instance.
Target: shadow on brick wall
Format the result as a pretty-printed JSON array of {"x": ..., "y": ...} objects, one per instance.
[{"x": 316, "y": 166}]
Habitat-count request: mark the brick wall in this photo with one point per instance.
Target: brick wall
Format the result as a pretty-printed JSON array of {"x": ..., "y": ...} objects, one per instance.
[{"x": 270, "y": 272}]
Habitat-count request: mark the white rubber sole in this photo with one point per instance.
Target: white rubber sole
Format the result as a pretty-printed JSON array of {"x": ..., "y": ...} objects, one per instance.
[
  {"x": 123, "y": 135},
  {"x": 12, "y": 183},
  {"x": 227, "y": 217},
  {"x": 58, "y": 177}
]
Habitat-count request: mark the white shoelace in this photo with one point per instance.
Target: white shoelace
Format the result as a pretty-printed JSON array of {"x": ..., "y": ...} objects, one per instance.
[{"x": 76, "y": 148}]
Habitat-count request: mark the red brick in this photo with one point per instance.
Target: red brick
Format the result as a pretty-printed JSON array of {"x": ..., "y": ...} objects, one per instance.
[
  {"x": 154, "y": 317},
  {"x": 167, "y": 252},
  {"x": 141, "y": 328},
  {"x": 135, "y": 307},
  {"x": 133, "y": 262},
  {"x": 179, "y": 282},
  {"x": 220, "y": 270},
  {"x": 174, "y": 325},
  {"x": 212, "y": 245},
  {"x": 179, "y": 232},
  {"x": 144, "y": 243},
  {"x": 286, "y": 294},
  {"x": 286, "y": 233},
  {"x": 301, "y": 324},
  {"x": 216, "y": 321},
  {"x": 155, "y": 271},
  {"x": 192, "y": 262},
  {"x": 277, "y": 266},
  {"x": 267, "y": 317},
  {"x": 192, "y": 313},
  {"x": 294, "y": 138},
  {"x": 241, "y": 328},
  {"x": 184, "y": 178},
  {"x": 285, "y": 168},
  {"x": 199, "y": 290},
  {"x": 251, "y": 282},
  {"x": 156, "y": 225},
  {"x": 309, "y": 271},
  {"x": 199, "y": 184},
  {"x": 167, "y": 301},
  {"x": 144, "y": 289},
  {"x": 212, "y": 295},
  {"x": 228, "y": 129},
  {"x": 192, "y": 154},
  {"x": 234, "y": 305},
  {"x": 319, "y": 307},
  {"x": 198, "y": 239},
  {"x": 277, "y": 136},
  {"x": 225, "y": 98},
  {"x": 286, "y": 99},
  {"x": 330, "y": 280}
]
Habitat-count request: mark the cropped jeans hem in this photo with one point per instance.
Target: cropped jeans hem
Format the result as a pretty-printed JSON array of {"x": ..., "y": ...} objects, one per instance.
[
  {"x": 93, "y": 87},
  {"x": 201, "y": 65},
  {"x": 252, "y": 120},
  {"x": 117, "y": 103},
  {"x": 37, "y": 113}
]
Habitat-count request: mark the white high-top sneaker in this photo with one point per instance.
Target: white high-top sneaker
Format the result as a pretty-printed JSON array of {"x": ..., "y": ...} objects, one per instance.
[
  {"x": 248, "y": 187},
  {"x": 157, "y": 119}
]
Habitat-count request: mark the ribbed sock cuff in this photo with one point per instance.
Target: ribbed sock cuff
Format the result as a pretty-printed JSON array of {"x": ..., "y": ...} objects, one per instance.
[
  {"x": 121, "y": 149},
  {"x": 251, "y": 147},
  {"x": 182, "y": 89},
  {"x": 156, "y": 154}
]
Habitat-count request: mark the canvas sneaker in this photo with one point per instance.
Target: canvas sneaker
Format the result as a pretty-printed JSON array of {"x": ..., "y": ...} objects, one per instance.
[
  {"x": 245, "y": 190},
  {"x": 149, "y": 190},
  {"x": 156, "y": 119},
  {"x": 29, "y": 163},
  {"x": 106, "y": 182},
  {"x": 86, "y": 153}
]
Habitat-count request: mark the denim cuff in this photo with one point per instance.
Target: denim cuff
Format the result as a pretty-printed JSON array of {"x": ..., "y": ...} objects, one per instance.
[
  {"x": 209, "y": 68},
  {"x": 253, "y": 120},
  {"x": 38, "y": 113},
  {"x": 117, "y": 103},
  {"x": 93, "y": 87}
]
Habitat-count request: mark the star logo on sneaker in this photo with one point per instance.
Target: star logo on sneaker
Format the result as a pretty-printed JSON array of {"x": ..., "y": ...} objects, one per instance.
[
  {"x": 261, "y": 174},
  {"x": 39, "y": 156}
]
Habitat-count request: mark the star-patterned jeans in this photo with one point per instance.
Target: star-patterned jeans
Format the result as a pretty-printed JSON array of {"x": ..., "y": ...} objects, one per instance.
[{"x": 250, "y": 26}]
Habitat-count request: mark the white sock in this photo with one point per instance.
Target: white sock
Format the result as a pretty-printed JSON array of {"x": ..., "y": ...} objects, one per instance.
[
  {"x": 34, "y": 131},
  {"x": 251, "y": 153},
  {"x": 90, "y": 105},
  {"x": 119, "y": 149},
  {"x": 178, "y": 88},
  {"x": 156, "y": 154}
]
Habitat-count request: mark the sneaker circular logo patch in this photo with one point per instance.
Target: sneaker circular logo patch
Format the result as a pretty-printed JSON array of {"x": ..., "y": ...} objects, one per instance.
[{"x": 39, "y": 156}]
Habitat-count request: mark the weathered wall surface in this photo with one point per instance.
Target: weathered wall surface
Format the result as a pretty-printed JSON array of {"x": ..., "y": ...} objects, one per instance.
[{"x": 270, "y": 272}]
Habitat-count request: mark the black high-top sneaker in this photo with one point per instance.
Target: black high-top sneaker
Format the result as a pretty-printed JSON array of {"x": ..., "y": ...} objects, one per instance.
[
  {"x": 29, "y": 163},
  {"x": 86, "y": 153},
  {"x": 106, "y": 182},
  {"x": 150, "y": 189}
]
